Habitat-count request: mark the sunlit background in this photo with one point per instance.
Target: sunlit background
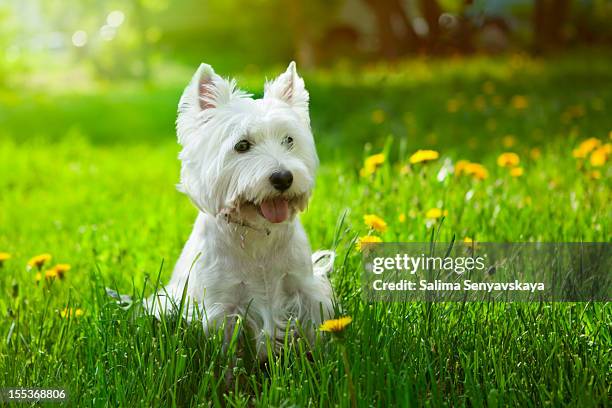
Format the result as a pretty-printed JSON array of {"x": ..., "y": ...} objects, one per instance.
[
  {"x": 68, "y": 44},
  {"x": 426, "y": 73},
  {"x": 68, "y": 64}
]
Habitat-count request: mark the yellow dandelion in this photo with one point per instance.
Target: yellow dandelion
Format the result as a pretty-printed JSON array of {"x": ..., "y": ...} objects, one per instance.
[
  {"x": 70, "y": 312},
  {"x": 435, "y": 213},
  {"x": 365, "y": 172},
  {"x": 4, "y": 256},
  {"x": 38, "y": 277},
  {"x": 578, "y": 110},
  {"x": 452, "y": 105},
  {"x": 491, "y": 125},
  {"x": 39, "y": 260},
  {"x": 586, "y": 147},
  {"x": 402, "y": 217},
  {"x": 516, "y": 171},
  {"x": 372, "y": 163},
  {"x": 421, "y": 156},
  {"x": 378, "y": 116},
  {"x": 336, "y": 325},
  {"x": 595, "y": 175},
  {"x": 375, "y": 222},
  {"x": 480, "y": 103},
  {"x": 477, "y": 171},
  {"x": 578, "y": 154},
  {"x": 535, "y": 153},
  {"x": 508, "y": 159},
  {"x": 375, "y": 160},
  {"x": 460, "y": 167},
  {"x": 368, "y": 239},
  {"x": 508, "y": 141},
  {"x": 599, "y": 157},
  {"x": 519, "y": 102},
  {"x": 61, "y": 269},
  {"x": 468, "y": 240},
  {"x": 572, "y": 112},
  {"x": 50, "y": 274}
]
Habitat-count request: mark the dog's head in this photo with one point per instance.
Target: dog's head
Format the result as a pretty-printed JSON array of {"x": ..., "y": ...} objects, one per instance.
[{"x": 253, "y": 160}]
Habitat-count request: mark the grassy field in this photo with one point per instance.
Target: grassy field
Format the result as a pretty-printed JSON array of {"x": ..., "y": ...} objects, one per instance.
[{"x": 89, "y": 178}]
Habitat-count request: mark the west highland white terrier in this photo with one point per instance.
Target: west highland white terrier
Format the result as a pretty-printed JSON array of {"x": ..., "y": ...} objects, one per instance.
[{"x": 249, "y": 167}]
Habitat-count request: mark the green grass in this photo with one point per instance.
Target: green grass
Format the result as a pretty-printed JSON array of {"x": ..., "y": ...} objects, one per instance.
[{"x": 90, "y": 179}]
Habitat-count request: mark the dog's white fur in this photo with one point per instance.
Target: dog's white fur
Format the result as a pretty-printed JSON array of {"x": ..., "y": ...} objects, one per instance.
[{"x": 236, "y": 262}]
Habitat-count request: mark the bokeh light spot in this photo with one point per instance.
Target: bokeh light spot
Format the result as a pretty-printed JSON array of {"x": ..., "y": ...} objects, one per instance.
[
  {"x": 115, "y": 18},
  {"x": 79, "y": 38}
]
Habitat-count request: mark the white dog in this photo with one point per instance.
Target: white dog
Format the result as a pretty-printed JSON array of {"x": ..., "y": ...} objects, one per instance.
[{"x": 249, "y": 166}]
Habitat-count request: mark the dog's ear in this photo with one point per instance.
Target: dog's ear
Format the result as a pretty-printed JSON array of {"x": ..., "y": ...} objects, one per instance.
[
  {"x": 289, "y": 88},
  {"x": 207, "y": 90}
]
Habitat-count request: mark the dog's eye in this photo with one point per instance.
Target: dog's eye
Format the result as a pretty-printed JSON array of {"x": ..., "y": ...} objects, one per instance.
[
  {"x": 288, "y": 141},
  {"x": 242, "y": 146}
]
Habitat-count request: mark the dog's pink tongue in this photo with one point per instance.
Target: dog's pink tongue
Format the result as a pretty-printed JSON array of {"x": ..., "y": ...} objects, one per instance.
[{"x": 275, "y": 210}]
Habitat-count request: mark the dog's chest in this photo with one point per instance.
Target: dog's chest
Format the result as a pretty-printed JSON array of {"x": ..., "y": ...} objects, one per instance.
[
  {"x": 261, "y": 283},
  {"x": 261, "y": 277}
]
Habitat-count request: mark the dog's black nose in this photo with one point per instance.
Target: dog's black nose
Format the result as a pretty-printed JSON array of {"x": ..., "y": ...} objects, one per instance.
[{"x": 281, "y": 180}]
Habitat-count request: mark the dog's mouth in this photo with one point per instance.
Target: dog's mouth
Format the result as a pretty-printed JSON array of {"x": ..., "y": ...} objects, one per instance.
[{"x": 274, "y": 209}]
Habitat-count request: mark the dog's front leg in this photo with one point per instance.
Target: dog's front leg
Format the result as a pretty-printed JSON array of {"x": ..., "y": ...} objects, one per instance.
[
  {"x": 310, "y": 301},
  {"x": 232, "y": 331},
  {"x": 224, "y": 320}
]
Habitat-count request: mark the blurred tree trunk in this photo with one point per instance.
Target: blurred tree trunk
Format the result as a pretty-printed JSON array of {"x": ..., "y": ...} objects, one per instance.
[
  {"x": 463, "y": 38},
  {"x": 431, "y": 11},
  {"x": 539, "y": 26},
  {"x": 558, "y": 17},
  {"x": 549, "y": 18},
  {"x": 395, "y": 32}
]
